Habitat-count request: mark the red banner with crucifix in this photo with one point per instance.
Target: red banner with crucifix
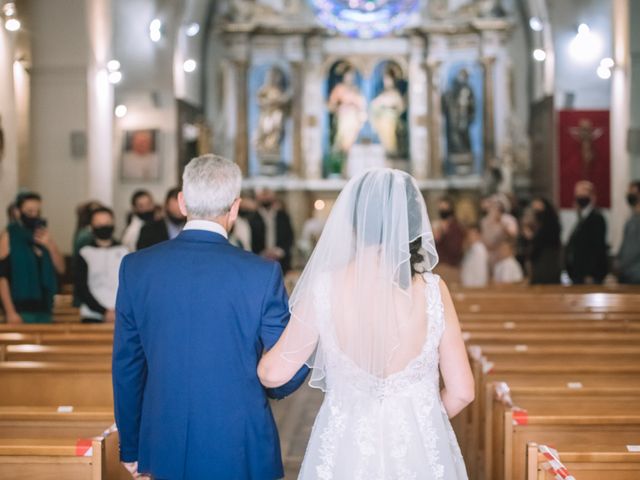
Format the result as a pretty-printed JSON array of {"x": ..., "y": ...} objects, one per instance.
[{"x": 584, "y": 153}]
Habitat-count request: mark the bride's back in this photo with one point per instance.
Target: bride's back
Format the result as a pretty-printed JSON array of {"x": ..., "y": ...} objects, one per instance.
[{"x": 370, "y": 333}]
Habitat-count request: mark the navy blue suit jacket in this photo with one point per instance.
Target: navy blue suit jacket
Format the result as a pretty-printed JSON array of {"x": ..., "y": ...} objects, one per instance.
[{"x": 193, "y": 317}]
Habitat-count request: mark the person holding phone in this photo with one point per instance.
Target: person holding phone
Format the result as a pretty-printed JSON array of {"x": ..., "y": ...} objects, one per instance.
[{"x": 29, "y": 264}]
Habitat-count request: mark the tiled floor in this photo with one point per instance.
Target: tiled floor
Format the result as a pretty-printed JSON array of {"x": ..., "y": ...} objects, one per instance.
[{"x": 294, "y": 416}]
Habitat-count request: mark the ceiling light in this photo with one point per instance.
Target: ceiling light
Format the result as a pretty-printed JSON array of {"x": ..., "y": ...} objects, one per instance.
[
  {"x": 121, "y": 111},
  {"x": 189, "y": 65},
  {"x": 536, "y": 24},
  {"x": 586, "y": 45},
  {"x": 113, "y": 65},
  {"x": 12, "y": 24},
  {"x": 604, "y": 73},
  {"x": 192, "y": 29},
  {"x": 607, "y": 62},
  {"x": 319, "y": 205},
  {"x": 155, "y": 30},
  {"x": 539, "y": 55},
  {"x": 115, "y": 77}
]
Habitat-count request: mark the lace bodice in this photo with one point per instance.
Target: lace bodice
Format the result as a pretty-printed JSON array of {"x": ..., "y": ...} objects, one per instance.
[{"x": 342, "y": 372}]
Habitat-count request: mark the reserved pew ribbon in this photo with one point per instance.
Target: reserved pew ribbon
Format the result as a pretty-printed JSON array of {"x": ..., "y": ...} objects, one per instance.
[
  {"x": 520, "y": 416},
  {"x": 554, "y": 464},
  {"x": 84, "y": 447}
]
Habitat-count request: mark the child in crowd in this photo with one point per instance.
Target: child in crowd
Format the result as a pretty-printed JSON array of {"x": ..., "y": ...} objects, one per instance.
[
  {"x": 507, "y": 269},
  {"x": 475, "y": 264}
]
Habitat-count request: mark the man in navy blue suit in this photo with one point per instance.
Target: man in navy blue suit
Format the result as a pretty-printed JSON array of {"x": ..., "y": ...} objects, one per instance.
[{"x": 193, "y": 317}]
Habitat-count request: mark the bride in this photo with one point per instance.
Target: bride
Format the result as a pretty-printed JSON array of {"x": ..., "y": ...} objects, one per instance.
[{"x": 377, "y": 328}]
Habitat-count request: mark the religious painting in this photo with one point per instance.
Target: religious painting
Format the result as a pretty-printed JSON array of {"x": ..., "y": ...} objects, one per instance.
[
  {"x": 270, "y": 122},
  {"x": 1, "y": 140},
  {"x": 388, "y": 110},
  {"x": 347, "y": 115},
  {"x": 584, "y": 153},
  {"x": 462, "y": 109},
  {"x": 140, "y": 156}
]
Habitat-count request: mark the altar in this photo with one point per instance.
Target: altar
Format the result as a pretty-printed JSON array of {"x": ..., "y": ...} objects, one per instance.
[{"x": 313, "y": 93}]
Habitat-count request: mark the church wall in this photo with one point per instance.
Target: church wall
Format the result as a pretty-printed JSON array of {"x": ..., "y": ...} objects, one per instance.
[
  {"x": 590, "y": 91},
  {"x": 634, "y": 21},
  {"x": 147, "y": 90},
  {"x": 8, "y": 161},
  {"x": 58, "y": 108}
]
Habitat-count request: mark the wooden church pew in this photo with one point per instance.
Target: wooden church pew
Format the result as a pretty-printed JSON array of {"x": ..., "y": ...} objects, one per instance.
[
  {"x": 56, "y": 383},
  {"x": 586, "y": 462},
  {"x": 569, "y": 417},
  {"x": 56, "y": 353},
  {"x": 41, "y": 423}
]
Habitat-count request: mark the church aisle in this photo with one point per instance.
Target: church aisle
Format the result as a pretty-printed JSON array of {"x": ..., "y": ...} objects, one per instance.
[{"x": 294, "y": 416}]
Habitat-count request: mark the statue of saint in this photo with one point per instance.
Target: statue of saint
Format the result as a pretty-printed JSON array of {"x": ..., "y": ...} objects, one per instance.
[
  {"x": 386, "y": 110},
  {"x": 459, "y": 107},
  {"x": 273, "y": 101},
  {"x": 349, "y": 106}
]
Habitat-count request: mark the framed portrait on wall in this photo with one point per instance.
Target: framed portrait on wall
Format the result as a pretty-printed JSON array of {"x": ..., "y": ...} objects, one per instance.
[{"x": 140, "y": 156}]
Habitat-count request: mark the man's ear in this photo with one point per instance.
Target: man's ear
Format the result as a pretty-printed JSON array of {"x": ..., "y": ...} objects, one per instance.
[
  {"x": 181, "y": 204},
  {"x": 235, "y": 208}
]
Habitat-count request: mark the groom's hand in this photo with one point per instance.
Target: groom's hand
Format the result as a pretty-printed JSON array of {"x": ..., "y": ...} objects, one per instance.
[{"x": 132, "y": 468}]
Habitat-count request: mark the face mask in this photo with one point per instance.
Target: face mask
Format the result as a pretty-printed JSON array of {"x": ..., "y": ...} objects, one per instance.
[
  {"x": 444, "y": 214},
  {"x": 583, "y": 202},
  {"x": 632, "y": 199},
  {"x": 146, "y": 216},
  {"x": 175, "y": 220},
  {"x": 30, "y": 223},
  {"x": 103, "y": 233}
]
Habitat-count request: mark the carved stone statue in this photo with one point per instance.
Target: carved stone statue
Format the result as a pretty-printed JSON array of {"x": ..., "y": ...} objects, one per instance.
[
  {"x": 273, "y": 101},
  {"x": 459, "y": 107},
  {"x": 386, "y": 111},
  {"x": 349, "y": 106}
]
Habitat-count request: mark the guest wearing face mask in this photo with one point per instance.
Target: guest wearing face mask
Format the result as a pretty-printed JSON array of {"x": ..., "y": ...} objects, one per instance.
[
  {"x": 271, "y": 230},
  {"x": 96, "y": 270},
  {"x": 166, "y": 228},
  {"x": 628, "y": 261},
  {"x": 544, "y": 250},
  {"x": 29, "y": 262},
  {"x": 449, "y": 236},
  {"x": 142, "y": 212},
  {"x": 586, "y": 252}
]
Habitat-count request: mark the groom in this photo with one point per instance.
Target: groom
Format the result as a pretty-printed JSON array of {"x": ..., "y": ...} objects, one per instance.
[{"x": 194, "y": 315}]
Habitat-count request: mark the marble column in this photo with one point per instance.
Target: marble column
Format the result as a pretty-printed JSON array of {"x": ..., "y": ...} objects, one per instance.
[
  {"x": 101, "y": 164},
  {"x": 489, "y": 111},
  {"x": 241, "y": 147},
  {"x": 620, "y": 116},
  {"x": 434, "y": 119},
  {"x": 8, "y": 120},
  {"x": 313, "y": 109},
  {"x": 417, "y": 96}
]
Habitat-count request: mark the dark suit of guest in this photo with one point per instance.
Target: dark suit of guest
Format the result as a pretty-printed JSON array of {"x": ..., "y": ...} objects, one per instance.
[
  {"x": 586, "y": 252},
  {"x": 153, "y": 233},
  {"x": 193, "y": 317},
  {"x": 283, "y": 234}
]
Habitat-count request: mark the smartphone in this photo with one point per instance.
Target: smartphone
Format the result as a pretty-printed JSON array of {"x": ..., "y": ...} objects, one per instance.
[{"x": 41, "y": 223}]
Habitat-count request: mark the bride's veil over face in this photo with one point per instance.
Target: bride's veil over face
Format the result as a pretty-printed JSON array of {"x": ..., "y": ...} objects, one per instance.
[{"x": 357, "y": 296}]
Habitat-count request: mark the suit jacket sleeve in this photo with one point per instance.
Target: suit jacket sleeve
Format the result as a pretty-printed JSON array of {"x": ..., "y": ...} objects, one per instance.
[
  {"x": 275, "y": 317},
  {"x": 129, "y": 372}
]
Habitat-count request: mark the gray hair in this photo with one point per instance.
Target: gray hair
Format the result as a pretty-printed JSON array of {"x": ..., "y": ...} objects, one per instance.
[{"x": 210, "y": 185}]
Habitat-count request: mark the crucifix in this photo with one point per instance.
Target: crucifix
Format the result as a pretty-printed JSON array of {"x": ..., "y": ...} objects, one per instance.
[{"x": 586, "y": 134}]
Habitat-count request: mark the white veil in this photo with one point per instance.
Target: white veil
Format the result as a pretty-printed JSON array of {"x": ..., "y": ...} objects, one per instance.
[{"x": 355, "y": 297}]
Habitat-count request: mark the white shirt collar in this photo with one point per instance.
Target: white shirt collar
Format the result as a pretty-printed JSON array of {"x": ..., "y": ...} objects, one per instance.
[{"x": 206, "y": 225}]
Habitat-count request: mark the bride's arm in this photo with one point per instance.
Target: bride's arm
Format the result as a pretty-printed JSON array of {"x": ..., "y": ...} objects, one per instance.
[
  {"x": 288, "y": 355},
  {"x": 458, "y": 391}
]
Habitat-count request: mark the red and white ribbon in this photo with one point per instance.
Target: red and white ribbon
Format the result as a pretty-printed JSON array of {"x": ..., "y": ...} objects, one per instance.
[
  {"x": 84, "y": 447},
  {"x": 554, "y": 464},
  {"x": 520, "y": 416}
]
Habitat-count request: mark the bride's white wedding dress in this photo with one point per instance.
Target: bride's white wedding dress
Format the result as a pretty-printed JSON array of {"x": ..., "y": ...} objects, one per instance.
[{"x": 373, "y": 428}]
